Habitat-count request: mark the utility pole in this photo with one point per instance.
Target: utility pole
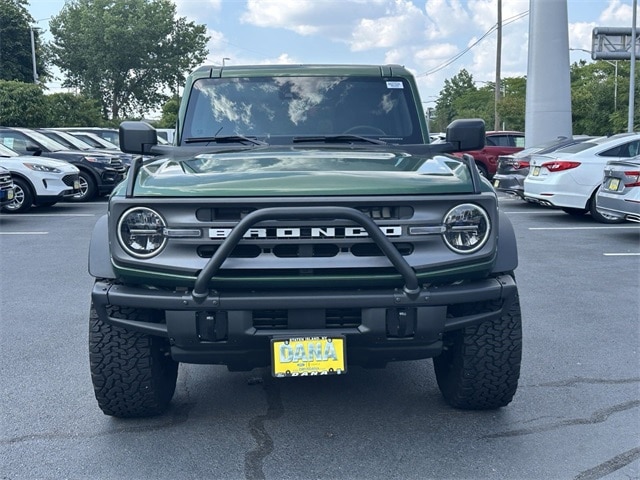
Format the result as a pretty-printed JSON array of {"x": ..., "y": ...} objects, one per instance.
[
  {"x": 496, "y": 123},
  {"x": 33, "y": 55}
]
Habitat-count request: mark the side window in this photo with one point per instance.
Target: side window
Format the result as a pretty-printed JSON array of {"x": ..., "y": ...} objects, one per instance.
[
  {"x": 518, "y": 141},
  {"x": 634, "y": 149},
  {"x": 613, "y": 152},
  {"x": 490, "y": 142},
  {"x": 14, "y": 141},
  {"x": 626, "y": 150}
]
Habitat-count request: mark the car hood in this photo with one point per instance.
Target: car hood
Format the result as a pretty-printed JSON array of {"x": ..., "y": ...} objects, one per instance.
[
  {"x": 302, "y": 172},
  {"x": 9, "y": 162}
]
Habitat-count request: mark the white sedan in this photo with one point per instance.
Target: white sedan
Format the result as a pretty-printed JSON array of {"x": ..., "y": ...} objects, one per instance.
[
  {"x": 38, "y": 181},
  {"x": 570, "y": 178}
]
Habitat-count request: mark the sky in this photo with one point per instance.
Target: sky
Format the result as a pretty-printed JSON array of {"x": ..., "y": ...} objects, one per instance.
[{"x": 434, "y": 39}]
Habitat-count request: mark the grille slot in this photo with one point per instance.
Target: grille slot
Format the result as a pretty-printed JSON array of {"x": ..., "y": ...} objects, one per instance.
[
  {"x": 334, "y": 318},
  {"x": 235, "y": 214}
]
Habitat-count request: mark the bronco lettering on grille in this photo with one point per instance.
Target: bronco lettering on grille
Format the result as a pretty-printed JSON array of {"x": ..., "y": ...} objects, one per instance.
[{"x": 305, "y": 232}]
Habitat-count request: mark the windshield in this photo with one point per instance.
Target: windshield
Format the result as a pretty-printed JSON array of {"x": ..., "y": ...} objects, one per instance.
[
  {"x": 68, "y": 140},
  {"x": 287, "y": 107}
]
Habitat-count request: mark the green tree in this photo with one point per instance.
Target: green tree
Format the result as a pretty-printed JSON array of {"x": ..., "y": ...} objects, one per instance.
[
  {"x": 169, "y": 113},
  {"x": 71, "y": 110},
  {"x": 454, "y": 88},
  {"x": 21, "y": 105},
  {"x": 511, "y": 106},
  {"x": 125, "y": 53},
  {"x": 16, "y": 60}
]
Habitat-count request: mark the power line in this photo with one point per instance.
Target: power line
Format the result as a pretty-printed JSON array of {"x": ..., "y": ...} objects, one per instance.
[{"x": 486, "y": 34}]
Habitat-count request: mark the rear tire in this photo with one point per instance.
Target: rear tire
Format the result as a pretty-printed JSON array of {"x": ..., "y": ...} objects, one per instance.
[
  {"x": 480, "y": 365},
  {"x": 133, "y": 374},
  {"x": 576, "y": 212},
  {"x": 599, "y": 217}
]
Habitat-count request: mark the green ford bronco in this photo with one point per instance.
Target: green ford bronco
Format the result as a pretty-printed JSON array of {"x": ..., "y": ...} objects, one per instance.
[{"x": 302, "y": 222}]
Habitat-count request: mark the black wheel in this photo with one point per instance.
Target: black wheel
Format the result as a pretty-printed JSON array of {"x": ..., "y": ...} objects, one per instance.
[
  {"x": 133, "y": 374},
  {"x": 601, "y": 217},
  {"x": 23, "y": 198},
  {"x": 88, "y": 189},
  {"x": 480, "y": 365},
  {"x": 483, "y": 170},
  {"x": 576, "y": 212}
]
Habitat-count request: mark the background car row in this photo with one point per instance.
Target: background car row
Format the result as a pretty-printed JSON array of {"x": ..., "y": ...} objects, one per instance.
[{"x": 570, "y": 174}]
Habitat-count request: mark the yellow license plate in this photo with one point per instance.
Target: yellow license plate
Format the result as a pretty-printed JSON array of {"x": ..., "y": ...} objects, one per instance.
[
  {"x": 536, "y": 171},
  {"x": 10, "y": 195},
  {"x": 496, "y": 183},
  {"x": 307, "y": 356},
  {"x": 614, "y": 183}
]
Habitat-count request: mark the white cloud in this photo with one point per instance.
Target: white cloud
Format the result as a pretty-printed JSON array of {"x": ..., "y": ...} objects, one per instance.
[
  {"x": 193, "y": 9},
  {"x": 617, "y": 14}
]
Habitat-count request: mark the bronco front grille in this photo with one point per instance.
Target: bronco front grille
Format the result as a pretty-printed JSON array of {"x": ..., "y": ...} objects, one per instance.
[
  {"x": 304, "y": 250},
  {"x": 235, "y": 214}
]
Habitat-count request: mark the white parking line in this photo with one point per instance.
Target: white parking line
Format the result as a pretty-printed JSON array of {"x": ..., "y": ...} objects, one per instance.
[
  {"x": 24, "y": 233},
  {"x": 621, "y": 254}
]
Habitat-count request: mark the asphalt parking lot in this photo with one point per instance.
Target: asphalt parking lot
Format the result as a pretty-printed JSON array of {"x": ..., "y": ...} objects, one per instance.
[{"x": 576, "y": 414}]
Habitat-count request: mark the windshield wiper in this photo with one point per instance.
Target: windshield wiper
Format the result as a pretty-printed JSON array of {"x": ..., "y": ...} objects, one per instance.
[
  {"x": 226, "y": 139},
  {"x": 338, "y": 139}
]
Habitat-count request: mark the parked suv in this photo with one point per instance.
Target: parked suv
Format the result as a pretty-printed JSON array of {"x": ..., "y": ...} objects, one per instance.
[
  {"x": 99, "y": 173},
  {"x": 38, "y": 181},
  {"x": 302, "y": 222},
  {"x": 496, "y": 143}
]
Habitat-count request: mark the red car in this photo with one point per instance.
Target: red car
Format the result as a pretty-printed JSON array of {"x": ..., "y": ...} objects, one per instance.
[{"x": 496, "y": 143}]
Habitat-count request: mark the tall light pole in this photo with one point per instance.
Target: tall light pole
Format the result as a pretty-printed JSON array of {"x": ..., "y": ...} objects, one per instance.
[
  {"x": 224, "y": 60},
  {"x": 33, "y": 54}
]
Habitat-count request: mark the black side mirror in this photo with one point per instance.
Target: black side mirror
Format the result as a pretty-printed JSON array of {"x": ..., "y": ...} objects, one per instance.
[{"x": 466, "y": 134}]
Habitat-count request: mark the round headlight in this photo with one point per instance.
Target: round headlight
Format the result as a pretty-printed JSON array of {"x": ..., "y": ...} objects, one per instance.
[
  {"x": 467, "y": 228},
  {"x": 140, "y": 232}
]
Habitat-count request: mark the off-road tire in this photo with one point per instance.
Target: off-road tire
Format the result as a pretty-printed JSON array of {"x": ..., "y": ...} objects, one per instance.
[
  {"x": 480, "y": 365},
  {"x": 132, "y": 373}
]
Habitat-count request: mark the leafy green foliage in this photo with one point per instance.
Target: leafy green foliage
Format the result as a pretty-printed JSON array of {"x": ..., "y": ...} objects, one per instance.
[
  {"x": 21, "y": 105},
  {"x": 16, "y": 60},
  {"x": 70, "y": 110},
  {"x": 125, "y": 53},
  {"x": 598, "y": 106},
  {"x": 169, "y": 113}
]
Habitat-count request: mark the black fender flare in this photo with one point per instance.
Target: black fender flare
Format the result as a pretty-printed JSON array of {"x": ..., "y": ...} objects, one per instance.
[
  {"x": 99, "y": 253},
  {"x": 507, "y": 259}
]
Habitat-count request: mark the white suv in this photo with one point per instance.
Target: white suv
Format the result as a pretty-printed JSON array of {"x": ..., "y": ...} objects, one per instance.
[{"x": 38, "y": 181}]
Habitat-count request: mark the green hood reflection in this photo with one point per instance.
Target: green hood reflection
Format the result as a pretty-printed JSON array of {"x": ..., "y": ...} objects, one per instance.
[{"x": 295, "y": 172}]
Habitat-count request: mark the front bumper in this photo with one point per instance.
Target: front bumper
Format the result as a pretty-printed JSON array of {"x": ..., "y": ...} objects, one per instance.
[{"x": 235, "y": 328}]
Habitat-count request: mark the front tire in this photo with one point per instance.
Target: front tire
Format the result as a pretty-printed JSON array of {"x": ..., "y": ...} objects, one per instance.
[
  {"x": 23, "y": 199},
  {"x": 480, "y": 365},
  {"x": 133, "y": 374},
  {"x": 88, "y": 188}
]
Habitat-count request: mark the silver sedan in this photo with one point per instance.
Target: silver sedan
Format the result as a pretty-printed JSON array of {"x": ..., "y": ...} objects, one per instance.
[{"x": 619, "y": 195}]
